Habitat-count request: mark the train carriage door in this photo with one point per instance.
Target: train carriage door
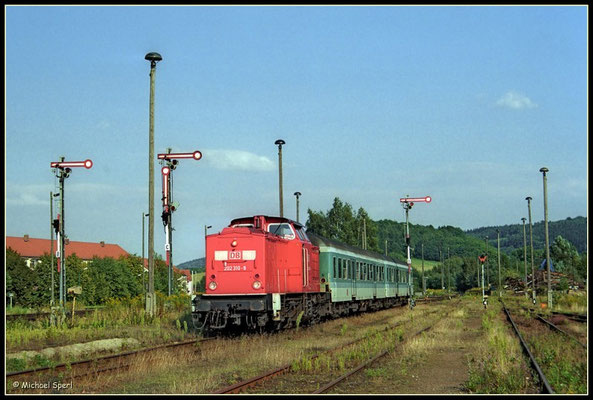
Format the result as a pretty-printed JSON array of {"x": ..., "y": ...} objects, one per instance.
[
  {"x": 355, "y": 272},
  {"x": 374, "y": 267}
]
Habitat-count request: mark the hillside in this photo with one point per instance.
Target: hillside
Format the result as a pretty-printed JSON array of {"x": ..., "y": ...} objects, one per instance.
[
  {"x": 438, "y": 241},
  {"x": 511, "y": 236},
  {"x": 198, "y": 264}
]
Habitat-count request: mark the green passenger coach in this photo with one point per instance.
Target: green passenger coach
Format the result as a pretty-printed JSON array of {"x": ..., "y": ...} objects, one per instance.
[{"x": 358, "y": 278}]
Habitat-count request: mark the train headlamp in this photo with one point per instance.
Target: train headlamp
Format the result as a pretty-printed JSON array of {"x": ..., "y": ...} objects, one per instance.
[
  {"x": 256, "y": 285},
  {"x": 234, "y": 243},
  {"x": 212, "y": 285}
]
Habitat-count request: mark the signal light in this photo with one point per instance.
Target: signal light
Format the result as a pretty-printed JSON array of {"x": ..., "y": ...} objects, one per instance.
[{"x": 56, "y": 225}]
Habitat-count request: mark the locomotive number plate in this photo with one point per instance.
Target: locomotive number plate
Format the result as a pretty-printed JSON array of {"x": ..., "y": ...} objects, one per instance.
[
  {"x": 234, "y": 255},
  {"x": 235, "y": 268}
]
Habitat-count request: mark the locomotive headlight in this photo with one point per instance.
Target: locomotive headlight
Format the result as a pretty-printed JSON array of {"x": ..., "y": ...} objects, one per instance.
[
  {"x": 256, "y": 285},
  {"x": 234, "y": 243},
  {"x": 212, "y": 285}
]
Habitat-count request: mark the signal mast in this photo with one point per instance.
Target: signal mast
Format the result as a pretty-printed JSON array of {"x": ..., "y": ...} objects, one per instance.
[
  {"x": 62, "y": 169},
  {"x": 169, "y": 161},
  {"x": 407, "y": 204}
]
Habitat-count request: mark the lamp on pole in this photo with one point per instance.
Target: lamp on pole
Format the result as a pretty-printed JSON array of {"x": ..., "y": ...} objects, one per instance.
[
  {"x": 531, "y": 244},
  {"x": 297, "y": 194},
  {"x": 543, "y": 170},
  {"x": 150, "y": 298},
  {"x": 280, "y": 142}
]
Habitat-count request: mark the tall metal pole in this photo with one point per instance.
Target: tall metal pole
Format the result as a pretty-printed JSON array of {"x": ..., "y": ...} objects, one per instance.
[
  {"x": 150, "y": 299},
  {"x": 478, "y": 270},
  {"x": 543, "y": 170},
  {"x": 448, "y": 270},
  {"x": 144, "y": 215},
  {"x": 62, "y": 241},
  {"x": 409, "y": 260},
  {"x": 525, "y": 254},
  {"x": 442, "y": 268},
  {"x": 486, "y": 252},
  {"x": 533, "y": 293},
  {"x": 297, "y": 194},
  {"x": 423, "y": 281},
  {"x": 280, "y": 142},
  {"x": 499, "y": 278},
  {"x": 51, "y": 251}
]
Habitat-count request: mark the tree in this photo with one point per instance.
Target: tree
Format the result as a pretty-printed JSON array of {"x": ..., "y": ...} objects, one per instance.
[
  {"x": 565, "y": 256},
  {"x": 22, "y": 279}
]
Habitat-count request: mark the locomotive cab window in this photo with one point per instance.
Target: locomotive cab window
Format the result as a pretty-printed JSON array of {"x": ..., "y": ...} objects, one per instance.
[
  {"x": 302, "y": 235},
  {"x": 283, "y": 230}
]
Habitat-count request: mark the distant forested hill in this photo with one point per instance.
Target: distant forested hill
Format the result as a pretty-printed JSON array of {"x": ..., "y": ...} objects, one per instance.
[
  {"x": 197, "y": 264},
  {"x": 511, "y": 236}
]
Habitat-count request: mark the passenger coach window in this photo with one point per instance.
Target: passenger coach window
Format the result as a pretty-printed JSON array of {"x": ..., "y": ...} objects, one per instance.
[{"x": 284, "y": 230}]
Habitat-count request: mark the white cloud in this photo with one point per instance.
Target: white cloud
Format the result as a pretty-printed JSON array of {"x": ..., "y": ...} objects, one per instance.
[
  {"x": 227, "y": 159},
  {"x": 515, "y": 101}
]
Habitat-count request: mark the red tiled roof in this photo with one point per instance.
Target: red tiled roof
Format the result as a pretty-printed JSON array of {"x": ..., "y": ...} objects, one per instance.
[{"x": 37, "y": 247}]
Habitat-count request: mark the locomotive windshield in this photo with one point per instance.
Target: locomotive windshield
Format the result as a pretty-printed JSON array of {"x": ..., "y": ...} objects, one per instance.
[{"x": 281, "y": 229}]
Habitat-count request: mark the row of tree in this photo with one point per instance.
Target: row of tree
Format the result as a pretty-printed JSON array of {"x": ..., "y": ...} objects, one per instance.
[
  {"x": 456, "y": 251},
  {"x": 100, "y": 279}
]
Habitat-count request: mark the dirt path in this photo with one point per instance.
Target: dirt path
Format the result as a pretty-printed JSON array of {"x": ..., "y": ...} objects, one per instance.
[{"x": 436, "y": 363}]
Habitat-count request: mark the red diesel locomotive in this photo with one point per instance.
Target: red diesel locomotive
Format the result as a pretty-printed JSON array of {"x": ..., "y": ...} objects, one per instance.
[{"x": 264, "y": 272}]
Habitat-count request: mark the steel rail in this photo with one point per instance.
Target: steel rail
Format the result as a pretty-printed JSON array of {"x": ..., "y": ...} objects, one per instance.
[
  {"x": 41, "y": 315},
  {"x": 550, "y": 324},
  {"x": 333, "y": 383},
  {"x": 238, "y": 387},
  {"x": 77, "y": 364},
  {"x": 547, "y": 387}
]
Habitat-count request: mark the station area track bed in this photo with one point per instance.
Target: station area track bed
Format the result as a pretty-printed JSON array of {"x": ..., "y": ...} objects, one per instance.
[
  {"x": 560, "y": 364},
  {"x": 314, "y": 373},
  {"x": 93, "y": 366}
]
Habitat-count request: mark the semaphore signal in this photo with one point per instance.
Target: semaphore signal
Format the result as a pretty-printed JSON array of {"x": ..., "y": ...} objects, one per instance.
[
  {"x": 169, "y": 161},
  {"x": 407, "y": 203},
  {"x": 62, "y": 169}
]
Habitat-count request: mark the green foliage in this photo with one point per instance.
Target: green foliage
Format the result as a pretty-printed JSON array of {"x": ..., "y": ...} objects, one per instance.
[{"x": 341, "y": 224}]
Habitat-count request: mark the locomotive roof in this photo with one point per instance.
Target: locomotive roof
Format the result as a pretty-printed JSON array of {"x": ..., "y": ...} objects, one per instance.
[
  {"x": 283, "y": 219},
  {"x": 320, "y": 240}
]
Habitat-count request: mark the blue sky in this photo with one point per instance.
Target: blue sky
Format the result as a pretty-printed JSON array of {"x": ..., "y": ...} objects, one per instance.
[{"x": 464, "y": 104}]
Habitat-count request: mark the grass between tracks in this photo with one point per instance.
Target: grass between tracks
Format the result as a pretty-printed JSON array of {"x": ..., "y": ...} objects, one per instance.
[
  {"x": 499, "y": 365},
  {"x": 119, "y": 319},
  {"x": 225, "y": 361}
]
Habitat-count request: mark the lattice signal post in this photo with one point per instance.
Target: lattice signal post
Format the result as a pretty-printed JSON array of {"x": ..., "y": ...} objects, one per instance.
[
  {"x": 169, "y": 161},
  {"x": 62, "y": 170},
  {"x": 407, "y": 204}
]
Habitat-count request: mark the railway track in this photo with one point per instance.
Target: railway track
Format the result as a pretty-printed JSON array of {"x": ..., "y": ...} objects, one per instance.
[
  {"x": 542, "y": 377},
  {"x": 98, "y": 365},
  {"x": 557, "y": 329},
  {"x": 251, "y": 382},
  {"x": 43, "y": 315}
]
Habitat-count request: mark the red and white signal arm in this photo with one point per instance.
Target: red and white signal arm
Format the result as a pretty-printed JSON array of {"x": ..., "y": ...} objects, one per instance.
[
  {"x": 196, "y": 155},
  {"x": 426, "y": 199},
  {"x": 63, "y": 164}
]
